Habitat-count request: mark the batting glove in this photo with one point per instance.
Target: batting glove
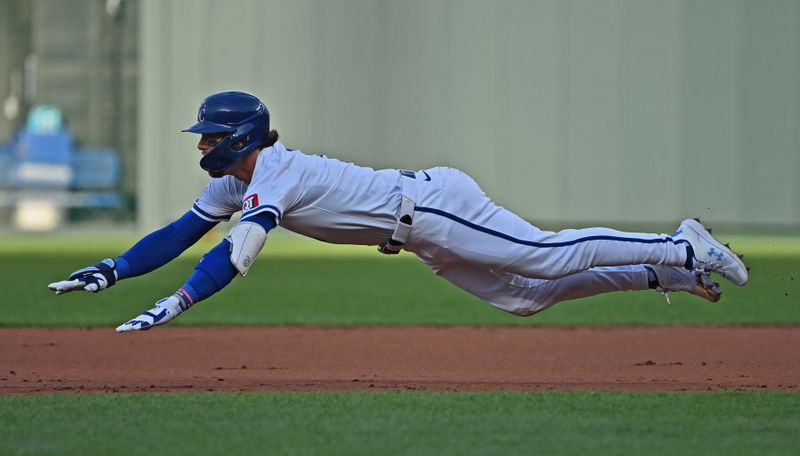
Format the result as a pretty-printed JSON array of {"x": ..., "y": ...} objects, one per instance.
[
  {"x": 164, "y": 311},
  {"x": 94, "y": 278}
]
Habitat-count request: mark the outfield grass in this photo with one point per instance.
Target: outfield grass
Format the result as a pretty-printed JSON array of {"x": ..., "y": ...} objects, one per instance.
[
  {"x": 299, "y": 282},
  {"x": 726, "y": 423}
]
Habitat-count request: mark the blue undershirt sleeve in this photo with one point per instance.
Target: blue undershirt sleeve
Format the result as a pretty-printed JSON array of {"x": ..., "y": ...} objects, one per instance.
[
  {"x": 162, "y": 246},
  {"x": 265, "y": 219},
  {"x": 215, "y": 270}
]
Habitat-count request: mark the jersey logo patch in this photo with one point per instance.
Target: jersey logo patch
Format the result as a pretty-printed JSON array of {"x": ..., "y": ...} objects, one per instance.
[{"x": 250, "y": 202}]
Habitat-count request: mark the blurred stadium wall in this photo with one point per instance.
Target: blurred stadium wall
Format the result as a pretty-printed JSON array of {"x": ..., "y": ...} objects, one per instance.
[
  {"x": 632, "y": 113},
  {"x": 81, "y": 57}
]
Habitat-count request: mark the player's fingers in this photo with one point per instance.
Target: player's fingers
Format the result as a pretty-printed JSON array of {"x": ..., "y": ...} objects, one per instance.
[
  {"x": 134, "y": 325},
  {"x": 126, "y": 327},
  {"x": 65, "y": 286},
  {"x": 148, "y": 319},
  {"x": 56, "y": 286}
]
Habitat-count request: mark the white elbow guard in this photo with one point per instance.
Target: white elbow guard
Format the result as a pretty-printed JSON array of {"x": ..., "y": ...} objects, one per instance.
[{"x": 247, "y": 239}]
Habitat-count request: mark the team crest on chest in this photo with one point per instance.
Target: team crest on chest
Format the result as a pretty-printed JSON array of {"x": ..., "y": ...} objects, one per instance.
[{"x": 250, "y": 202}]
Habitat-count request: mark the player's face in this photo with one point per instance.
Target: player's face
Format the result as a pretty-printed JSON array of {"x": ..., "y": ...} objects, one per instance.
[{"x": 209, "y": 141}]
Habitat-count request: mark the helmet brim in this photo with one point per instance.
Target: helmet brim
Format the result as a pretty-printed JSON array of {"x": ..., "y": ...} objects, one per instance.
[{"x": 205, "y": 127}]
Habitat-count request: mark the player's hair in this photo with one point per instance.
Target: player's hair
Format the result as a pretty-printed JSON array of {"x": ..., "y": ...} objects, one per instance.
[{"x": 272, "y": 138}]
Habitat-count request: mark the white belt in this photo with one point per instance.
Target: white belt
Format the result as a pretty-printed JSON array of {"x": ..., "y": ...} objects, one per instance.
[{"x": 408, "y": 189}]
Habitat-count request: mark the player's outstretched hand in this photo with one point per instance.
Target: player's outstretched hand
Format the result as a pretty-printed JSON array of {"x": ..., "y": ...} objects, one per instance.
[
  {"x": 94, "y": 278},
  {"x": 165, "y": 310}
]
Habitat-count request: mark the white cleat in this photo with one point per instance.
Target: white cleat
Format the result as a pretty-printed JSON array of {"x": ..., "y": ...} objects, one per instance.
[
  {"x": 710, "y": 255},
  {"x": 678, "y": 278}
]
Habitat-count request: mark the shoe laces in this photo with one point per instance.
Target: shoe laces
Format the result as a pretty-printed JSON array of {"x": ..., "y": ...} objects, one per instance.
[{"x": 707, "y": 266}]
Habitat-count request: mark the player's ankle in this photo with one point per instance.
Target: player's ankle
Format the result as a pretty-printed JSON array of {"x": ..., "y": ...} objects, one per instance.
[
  {"x": 652, "y": 279},
  {"x": 689, "y": 258}
]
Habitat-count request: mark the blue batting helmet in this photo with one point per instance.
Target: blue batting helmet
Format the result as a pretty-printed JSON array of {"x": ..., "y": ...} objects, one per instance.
[{"x": 243, "y": 116}]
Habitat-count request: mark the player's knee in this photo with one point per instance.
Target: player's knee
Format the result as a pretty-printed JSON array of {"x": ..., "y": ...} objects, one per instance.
[
  {"x": 524, "y": 312},
  {"x": 536, "y": 272},
  {"x": 551, "y": 273},
  {"x": 520, "y": 308}
]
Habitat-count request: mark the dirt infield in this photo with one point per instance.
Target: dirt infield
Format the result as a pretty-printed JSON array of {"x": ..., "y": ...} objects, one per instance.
[{"x": 486, "y": 358}]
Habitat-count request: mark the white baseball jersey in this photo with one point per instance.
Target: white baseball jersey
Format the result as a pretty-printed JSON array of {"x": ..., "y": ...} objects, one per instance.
[
  {"x": 312, "y": 195},
  {"x": 457, "y": 230}
]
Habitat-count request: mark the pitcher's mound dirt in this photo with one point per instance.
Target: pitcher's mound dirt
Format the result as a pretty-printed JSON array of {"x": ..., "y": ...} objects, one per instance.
[{"x": 399, "y": 358}]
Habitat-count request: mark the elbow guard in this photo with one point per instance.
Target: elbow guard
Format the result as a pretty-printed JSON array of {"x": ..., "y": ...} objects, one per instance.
[{"x": 247, "y": 239}]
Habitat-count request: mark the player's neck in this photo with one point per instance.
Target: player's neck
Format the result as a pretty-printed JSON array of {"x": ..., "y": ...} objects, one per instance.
[{"x": 243, "y": 170}]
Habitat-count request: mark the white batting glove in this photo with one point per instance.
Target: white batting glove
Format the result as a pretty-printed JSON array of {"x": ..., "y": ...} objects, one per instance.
[
  {"x": 94, "y": 278},
  {"x": 165, "y": 310}
]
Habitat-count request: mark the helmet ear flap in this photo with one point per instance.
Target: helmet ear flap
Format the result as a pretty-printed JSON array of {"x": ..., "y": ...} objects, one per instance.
[
  {"x": 247, "y": 135},
  {"x": 240, "y": 138}
]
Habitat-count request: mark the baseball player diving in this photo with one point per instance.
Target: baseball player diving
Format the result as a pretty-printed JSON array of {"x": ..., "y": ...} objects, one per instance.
[{"x": 440, "y": 214}]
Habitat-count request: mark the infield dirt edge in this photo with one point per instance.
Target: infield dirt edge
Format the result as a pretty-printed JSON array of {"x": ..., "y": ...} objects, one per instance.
[{"x": 486, "y": 358}]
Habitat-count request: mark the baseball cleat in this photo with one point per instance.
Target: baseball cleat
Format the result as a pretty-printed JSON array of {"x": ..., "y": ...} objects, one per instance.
[
  {"x": 678, "y": 278},
  {"x": 710, "y": 255}
]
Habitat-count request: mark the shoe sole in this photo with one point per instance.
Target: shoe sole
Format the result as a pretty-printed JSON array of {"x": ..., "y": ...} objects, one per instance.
[
  {"x": 702, "y": 232},
  {"x": 707, "y": 285}
]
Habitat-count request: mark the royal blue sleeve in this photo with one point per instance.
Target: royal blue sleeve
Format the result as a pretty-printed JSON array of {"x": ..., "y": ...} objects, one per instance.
[
  {"x": 162, "y": 246},
  {"x": 265, "y": 219},
  {"x": 215, "y": 270},
  {"x": 213, "y": 273}
]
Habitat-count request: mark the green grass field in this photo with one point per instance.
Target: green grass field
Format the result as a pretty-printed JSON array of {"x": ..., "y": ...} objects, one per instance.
[
  {"x": 401, "y": 423},
  {"x": 297, "y": 282}
]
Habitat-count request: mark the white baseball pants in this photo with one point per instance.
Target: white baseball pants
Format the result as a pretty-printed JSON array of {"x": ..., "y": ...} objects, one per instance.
[{"x": 496, "y": 255}]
